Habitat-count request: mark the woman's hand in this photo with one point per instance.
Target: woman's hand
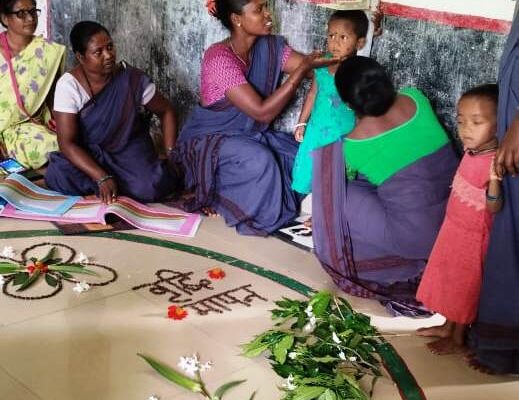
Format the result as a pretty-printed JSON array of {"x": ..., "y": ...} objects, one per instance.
[
  {"x": 507, "y": 156},
  {"x": 299, "y": 133},
  {"x": 315, "y": 60},
  {"x": 378, "y": 18},
  {"x": 108, "y": 191}
]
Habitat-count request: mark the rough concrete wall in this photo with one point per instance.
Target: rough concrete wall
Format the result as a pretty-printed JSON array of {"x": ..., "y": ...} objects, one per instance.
[
  {"x": 167, "y": 38},
  {"x": 440, "y": 60}
]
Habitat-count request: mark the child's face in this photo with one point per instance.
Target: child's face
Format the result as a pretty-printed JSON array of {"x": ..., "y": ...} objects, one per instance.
[
  {"x": 342, "y": 41},
  {"x": 477, "y": 121}
]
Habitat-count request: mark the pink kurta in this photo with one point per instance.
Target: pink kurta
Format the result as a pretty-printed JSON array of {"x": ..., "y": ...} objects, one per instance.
[{"x": 452, "y": 279}]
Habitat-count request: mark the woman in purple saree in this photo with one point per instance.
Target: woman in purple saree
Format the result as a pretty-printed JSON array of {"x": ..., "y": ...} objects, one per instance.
[
  {"x": 379, "y": 197},
  {"x": 495, "y": 335},
  {"x": 103, "y": 132},
  {"x": 233, "y": 162}
]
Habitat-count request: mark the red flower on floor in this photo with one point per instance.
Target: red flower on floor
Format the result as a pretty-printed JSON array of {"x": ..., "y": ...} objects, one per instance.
[
  {"x": 176, "y": 313},
  {"x": 216, "y": 273},
  {"x": 38, "y": 265}
]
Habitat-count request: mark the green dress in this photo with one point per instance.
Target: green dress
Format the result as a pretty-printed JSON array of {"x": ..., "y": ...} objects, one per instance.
[{"x": 330, "y": 120}]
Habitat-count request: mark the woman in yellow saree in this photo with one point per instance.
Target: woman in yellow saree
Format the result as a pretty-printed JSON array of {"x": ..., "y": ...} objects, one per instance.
[{"x": 29, "y": 67}]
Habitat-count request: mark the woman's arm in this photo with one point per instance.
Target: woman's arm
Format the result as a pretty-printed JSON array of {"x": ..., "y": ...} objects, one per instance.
[
  {"x": 160, "y": 106},
  {"x": 266, "y": 110},
  {"x": 68, "y": 129},
  {"x": 306, "y": 111}
]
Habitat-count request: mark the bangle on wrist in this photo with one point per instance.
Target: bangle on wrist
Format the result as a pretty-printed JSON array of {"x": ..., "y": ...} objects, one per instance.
[
  {"x": 493, "y": 198},
  {"x": 300, "y": 124},
  {"x": 103, "y": 179}
]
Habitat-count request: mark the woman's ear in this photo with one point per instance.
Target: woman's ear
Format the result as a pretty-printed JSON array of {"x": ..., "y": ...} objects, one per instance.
[
  {"x": 79, "y": 57},
  {"x": 236, "y": 20},
  {"x": 3, "y": 18}
]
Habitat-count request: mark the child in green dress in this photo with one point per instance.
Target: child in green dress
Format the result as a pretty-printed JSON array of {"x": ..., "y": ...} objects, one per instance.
[{"x": 324, "y": 117}]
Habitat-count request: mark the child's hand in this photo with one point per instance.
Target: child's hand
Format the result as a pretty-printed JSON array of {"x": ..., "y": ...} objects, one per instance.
[
  {"x": 493, "y": 171},
  {"x": 299, "y": 133}
]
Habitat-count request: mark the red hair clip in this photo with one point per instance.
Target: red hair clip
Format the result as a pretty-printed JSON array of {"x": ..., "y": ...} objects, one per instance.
[{"x": 211, "y": 7}]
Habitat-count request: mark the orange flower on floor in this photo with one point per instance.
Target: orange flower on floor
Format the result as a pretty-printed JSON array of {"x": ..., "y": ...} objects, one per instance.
[
  {"x": 216, "y": 273},
  {"x": 177, "y": 313}
]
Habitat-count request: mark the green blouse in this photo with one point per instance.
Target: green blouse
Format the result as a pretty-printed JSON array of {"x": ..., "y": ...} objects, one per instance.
[{"x": 380, "y": 157}]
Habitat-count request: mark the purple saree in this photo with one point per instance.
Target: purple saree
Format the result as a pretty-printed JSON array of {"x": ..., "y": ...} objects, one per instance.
[
  {"x": 237, "y": 165},
  {"x": 374, "y": 240},
  {"x": 114, "y": 130},
  {"x": 495, "y": 335}
]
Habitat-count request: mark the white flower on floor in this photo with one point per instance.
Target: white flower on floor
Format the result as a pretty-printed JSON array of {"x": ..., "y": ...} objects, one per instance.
[
  {"x": 309, "y": 311},
  {"x": 292, "y": 355},
  {"x": 82, "y": 258},
  {"x": 2, "y": 280},
  {"x": 289, "y": 383},
  {"x": 192, "y": 365},
  {"x": 153, "y": 397},
  {"x": 342, "y": 356},
  {"x": 81, "y": 287},
  {"x": 206, "y": 366},
  {"x": 336, "y": 338},
  {"x": 8, "y": 252}
]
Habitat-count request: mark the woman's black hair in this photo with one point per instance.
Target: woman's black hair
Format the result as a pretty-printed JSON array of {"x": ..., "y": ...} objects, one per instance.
[
  {"x": 489, "y": 91},
  {"x": 224, "y": 9},
  {"x": 357, "y": 18},
  {"x": 6, "y": 6},
  {"x": 81, "y": 34},
  {"x": 365, "y": 86}
]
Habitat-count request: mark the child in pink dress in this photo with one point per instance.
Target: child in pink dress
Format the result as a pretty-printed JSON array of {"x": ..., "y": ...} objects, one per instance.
[{"x": 452, "y": 279}]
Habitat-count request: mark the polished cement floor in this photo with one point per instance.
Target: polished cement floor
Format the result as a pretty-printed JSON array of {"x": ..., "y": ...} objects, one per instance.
[{"x": 82, "y": 346}]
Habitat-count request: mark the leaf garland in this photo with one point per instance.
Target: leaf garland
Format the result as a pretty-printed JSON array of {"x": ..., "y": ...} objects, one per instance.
[{"x": 322, "y": 346}]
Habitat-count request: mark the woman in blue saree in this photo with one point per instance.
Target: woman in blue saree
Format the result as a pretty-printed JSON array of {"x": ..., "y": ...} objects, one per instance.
[
  {"x": 103, "y": 132},
  {"x": 233, "y": 162},
  {"x": 495, "y": 335},
  {"x": 379, "y": 196}
]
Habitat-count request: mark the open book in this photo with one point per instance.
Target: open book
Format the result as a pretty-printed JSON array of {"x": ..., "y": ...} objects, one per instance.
[{"x": 25, "y": 200}]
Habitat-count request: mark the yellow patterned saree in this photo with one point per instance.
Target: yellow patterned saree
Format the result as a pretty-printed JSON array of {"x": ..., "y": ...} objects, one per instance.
[{"x": 24, "y": 134}]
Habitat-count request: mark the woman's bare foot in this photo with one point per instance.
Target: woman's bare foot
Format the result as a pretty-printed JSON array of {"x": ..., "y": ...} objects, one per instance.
[
  {"x": 441, "y": 331},
  {"x": 209, "y": 211},
  {"x": 308, "y": 223},
  {"x": 445, "y": 346},
  {"x": 473, "y": 362}
]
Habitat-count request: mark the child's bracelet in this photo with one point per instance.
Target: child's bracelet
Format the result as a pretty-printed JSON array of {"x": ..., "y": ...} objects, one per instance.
[
  {"x": 493, "y": 198},
  {"x": 299, "y": 125}
]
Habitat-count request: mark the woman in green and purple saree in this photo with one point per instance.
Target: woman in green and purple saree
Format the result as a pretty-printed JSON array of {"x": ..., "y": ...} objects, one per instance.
[
  {"x": 29, "y": 67},
  {"x": 379, "y": 196}
]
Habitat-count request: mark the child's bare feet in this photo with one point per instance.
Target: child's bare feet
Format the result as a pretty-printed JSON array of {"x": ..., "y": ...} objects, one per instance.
[
  {"x": 209, "y": 211},
  {"x": 445, "y": 346},
  {"x": 441, "y": 331},
  {"x": 308, "y": 223}
]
